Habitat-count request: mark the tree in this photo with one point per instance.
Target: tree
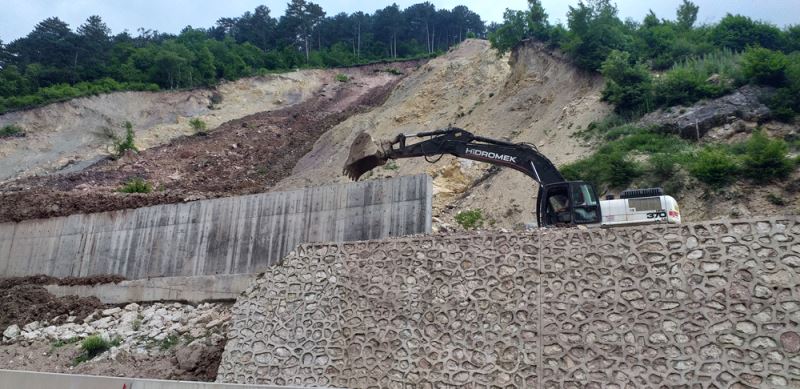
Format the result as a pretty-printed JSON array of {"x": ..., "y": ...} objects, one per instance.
[
  {"x": 303, "y": 18},
  {"x": 538, "y": 26},
  {"x": 389, "y": 22},
  {"x": 595, "y": 30},
  {"x": 628, "y": 86},
  {"x": 736, "y": 32},
  {"x": 687, "y": 14},
  {"x": 513, "y": 30},
  {"x": 93, "y": 47}
]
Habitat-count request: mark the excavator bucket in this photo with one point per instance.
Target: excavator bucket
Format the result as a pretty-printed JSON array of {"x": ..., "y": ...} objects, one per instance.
[{"x": 365, "y": 155}]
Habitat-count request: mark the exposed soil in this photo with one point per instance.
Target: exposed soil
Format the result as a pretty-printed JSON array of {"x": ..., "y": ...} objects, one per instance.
[
  {"x": 242, "y": 156},
  {"x": 21, "y": 304},
  {"x": 41, "y": 279},
  {"x": 46, "y": 357}
]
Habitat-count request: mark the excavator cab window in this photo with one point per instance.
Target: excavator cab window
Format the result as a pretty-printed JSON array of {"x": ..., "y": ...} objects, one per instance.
[
  {"x": 585, "y": 208},
  {"x": 557, "y": 203},
  {"x": 568, "y": 203}
]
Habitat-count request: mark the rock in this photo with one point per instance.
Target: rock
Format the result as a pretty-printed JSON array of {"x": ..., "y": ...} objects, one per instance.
[
  {"x": 790, "y": 341},
  {"x": 746, "y": 327},
  {"x": 32, "y": 326},
  {"x": 214, "y": 323},
  {"x": 695, "y": 121},
  {"x": 189, "y": 357},
  {"x": 197, "y": 332},
  {"x": 11, "y": 332},
  {"x": 132, "y": 307},
  {"x": 112, "y": 311}
]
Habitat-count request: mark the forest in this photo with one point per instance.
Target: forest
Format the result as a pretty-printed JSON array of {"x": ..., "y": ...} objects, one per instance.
[
  {"x": 54, "y": 63},
  {"x": 661, "y": 62}
]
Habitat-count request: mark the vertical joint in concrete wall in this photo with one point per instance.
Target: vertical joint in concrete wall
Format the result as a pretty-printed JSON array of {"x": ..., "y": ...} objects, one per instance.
[{"x": 233, "y": 235}]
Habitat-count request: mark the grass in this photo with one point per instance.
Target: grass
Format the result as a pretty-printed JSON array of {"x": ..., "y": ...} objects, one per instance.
[
  {"x": 11, "y": 130},
  {"x": 61, "y": 343},
  {"x": 391, "y": 165},
  {"x": 470, "y": 219},
  {"x": 199, "y": 126},
  {"x": 776, "y": 200},
  {"x": 342, "y": 77},
  {"x": 636, "y": 155},
  {"x": 136, "y": 185},
  {"x": 93, "y": 346},
  {"x": 168, "y": 342}
]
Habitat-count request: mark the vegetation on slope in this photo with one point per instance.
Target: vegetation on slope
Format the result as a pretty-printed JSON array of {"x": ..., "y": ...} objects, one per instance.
[
  {"x": 699, "y": 61},
  {"x": 54, "y": 63}
]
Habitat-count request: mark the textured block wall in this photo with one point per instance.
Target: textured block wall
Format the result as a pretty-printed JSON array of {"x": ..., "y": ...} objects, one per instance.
[
  {"x": 706, "y": 305},
  {"x": 231, "y": 235}
]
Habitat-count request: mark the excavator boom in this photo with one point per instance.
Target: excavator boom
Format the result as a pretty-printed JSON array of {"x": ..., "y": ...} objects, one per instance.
[
  {"x": 366, "y": 154},
  {"x": 558, "y": 202}
]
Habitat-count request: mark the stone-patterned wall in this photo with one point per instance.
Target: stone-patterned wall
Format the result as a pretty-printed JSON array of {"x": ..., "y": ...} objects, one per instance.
[{"x": 708, "y": 305}]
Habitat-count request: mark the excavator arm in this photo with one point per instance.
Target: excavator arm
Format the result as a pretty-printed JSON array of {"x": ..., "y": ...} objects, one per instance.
[{"x": 365, "y": 155}]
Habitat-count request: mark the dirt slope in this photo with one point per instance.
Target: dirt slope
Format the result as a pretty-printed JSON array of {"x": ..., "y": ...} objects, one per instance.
[
  {"x": 64, "y": 134},
  {"x": 245, "y": 155},
  {"x": 536, "y": 97}
]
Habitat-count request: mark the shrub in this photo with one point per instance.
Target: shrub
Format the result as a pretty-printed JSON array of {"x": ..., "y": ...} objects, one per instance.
[
  {"x": 764, "y": 66},
  {"x": 342, "y": 77},
  {"x": 470, "y": 219},
  {"x": 765, "y": 159},
  {"x": 628, "y": 86},
  {"x": 663, "y": 166},
  {"x": 391, "y": 165},
  {"x": 11, "y": 130},
  {"x": 126, "y": 143},
  {"x": 199, "y": 126},
  {"x": 714, "y": 167},
  {"x": 688, "y": 82},
  {"x": 136, "y": 185},
  {"x": 776, "y": 200},
  {"x": 94, "y": 345}
]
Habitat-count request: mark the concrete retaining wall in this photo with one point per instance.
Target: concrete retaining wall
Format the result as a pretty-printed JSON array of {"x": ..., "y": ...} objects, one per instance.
[
  {"x": 192, "y": 289},
  {"x": 222, "y": 236},
  {"x": 706, "y": 305},
  {"x": 10, "y": 379}
]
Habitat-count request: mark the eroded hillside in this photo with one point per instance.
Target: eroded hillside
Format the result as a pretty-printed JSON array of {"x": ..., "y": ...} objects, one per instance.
[
  {"x": 71, "y": 135},
  {"x": 247, "y": 154},
  {"x": 535, "y": 96}
]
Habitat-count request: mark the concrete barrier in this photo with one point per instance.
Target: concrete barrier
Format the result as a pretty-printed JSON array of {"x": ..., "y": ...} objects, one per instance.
[
  {"x": 234, "y": 235},
  {"x": 14, "y": 379},
  {"x": 224, "y": 287}
]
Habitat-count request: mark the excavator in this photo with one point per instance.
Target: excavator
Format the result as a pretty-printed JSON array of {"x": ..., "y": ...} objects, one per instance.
[{"x": 559, "y": 203}]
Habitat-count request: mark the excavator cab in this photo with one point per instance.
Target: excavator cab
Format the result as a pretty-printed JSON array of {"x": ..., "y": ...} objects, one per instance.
[{"x": 567, "y": 203}]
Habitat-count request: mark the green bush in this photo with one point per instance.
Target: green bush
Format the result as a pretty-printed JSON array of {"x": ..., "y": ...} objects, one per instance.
[
  {"x": 714, "y": 166},
  {"x": 691, "y": 80},
  {"x": 391, "y": 165},
  {"x": 136, "y": 185},
  {"x": 470, "y": 219},
  {"x": 628, "y": 86},
  {"x": 198, "y": 125},
  {"x": 766, "y": 159},
  {"x": 126, "y": 143},
  {"x": 342, "y": 77},
  {"x": 11, "y": 130},
  {"x": 764, "y": 66},
  {"x": 94, "y": 345}
]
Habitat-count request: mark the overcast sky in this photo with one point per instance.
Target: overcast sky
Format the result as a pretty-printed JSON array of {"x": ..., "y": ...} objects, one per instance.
[{"x": 20, "y": 16}]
